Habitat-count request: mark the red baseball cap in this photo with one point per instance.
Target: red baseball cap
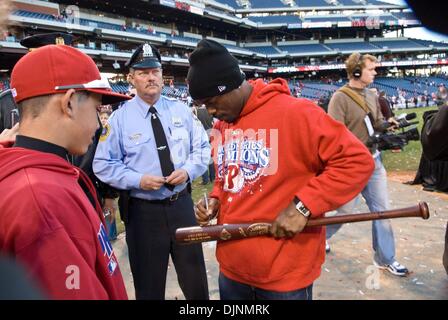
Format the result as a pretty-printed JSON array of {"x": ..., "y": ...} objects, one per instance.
[{"x": 55, "y": 69}]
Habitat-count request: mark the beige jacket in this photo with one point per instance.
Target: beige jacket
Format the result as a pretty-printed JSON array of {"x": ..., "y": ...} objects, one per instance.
[{"x": 345, "y": 110}]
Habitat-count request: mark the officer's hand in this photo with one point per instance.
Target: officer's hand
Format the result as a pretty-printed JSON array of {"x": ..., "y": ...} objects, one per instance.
[
  {"x": 288, "y": 223},
  {"x": 111, "y": 205},
  {"x": 177, "y": 177},
  {"x": 151, "y": 182},
  {"x": 9, "y": 134},
  {"x": 204, "y": 216}
]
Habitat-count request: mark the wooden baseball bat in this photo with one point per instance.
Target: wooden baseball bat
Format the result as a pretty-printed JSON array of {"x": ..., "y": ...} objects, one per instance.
[{"x": 227, "y": 232}]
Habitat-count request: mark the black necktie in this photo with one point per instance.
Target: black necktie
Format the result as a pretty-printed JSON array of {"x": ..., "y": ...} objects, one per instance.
[{"x": 162, "y": 146}]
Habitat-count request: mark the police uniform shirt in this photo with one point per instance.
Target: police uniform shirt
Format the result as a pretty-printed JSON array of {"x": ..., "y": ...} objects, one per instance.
[{"x": 127, "y": 149}]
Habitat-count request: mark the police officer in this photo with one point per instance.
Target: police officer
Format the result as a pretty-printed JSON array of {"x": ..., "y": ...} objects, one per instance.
[{"x": 154, "y": 148}]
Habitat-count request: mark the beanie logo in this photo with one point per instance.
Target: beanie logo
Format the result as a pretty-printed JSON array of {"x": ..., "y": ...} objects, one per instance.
[{"x": 221, "y": 88}]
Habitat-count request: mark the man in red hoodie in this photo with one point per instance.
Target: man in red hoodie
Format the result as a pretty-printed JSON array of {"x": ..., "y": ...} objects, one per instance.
[
  {"x": 278, "y": 159},
  {"x": 50, "y": 220}
]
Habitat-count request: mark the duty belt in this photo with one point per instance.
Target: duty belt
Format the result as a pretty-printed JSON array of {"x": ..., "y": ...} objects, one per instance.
[{"x": 166, "y": 201}]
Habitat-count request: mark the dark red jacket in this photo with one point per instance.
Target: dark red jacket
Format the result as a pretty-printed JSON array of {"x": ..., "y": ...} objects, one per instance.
[
  {"x": 281, "y": 147},
  {"x": 49, "y": 225}
]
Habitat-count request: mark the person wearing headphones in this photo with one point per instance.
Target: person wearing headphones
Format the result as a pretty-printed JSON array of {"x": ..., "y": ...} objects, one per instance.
[{"x": 359, "y": 110}]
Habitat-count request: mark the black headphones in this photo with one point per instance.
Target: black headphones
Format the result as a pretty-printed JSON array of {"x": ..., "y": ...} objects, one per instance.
[{"x": 358, "y": 71}]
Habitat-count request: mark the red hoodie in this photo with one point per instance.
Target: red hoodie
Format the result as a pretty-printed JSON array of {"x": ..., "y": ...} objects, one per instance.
[
  {"x": 49, "y": 225},
  {"x": 303, "y": 153}
]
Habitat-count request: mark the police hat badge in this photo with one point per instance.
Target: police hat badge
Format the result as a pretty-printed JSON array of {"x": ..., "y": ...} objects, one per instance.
[{"x": 145, "y": 56}]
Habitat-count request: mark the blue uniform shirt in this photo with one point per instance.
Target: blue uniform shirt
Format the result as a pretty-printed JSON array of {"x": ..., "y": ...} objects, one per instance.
[{"x": 127, "y": 148}]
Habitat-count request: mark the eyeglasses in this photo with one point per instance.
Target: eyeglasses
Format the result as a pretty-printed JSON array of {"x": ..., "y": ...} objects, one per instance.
[{"x": 95, "y": 84}]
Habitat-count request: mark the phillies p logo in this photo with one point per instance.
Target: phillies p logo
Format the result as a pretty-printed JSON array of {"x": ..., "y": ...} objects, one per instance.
[{"x": 234, "y": 179}]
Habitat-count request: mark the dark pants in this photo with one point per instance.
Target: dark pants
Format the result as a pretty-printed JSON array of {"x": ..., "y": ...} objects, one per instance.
[
  {"x": 150, "y": 239},
  {"x": 209, "y": 175},
  {"x": 233, "y": 290}
]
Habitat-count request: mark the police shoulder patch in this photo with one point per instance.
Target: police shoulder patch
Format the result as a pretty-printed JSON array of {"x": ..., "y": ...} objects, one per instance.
[{"x": 105, "y": 133}]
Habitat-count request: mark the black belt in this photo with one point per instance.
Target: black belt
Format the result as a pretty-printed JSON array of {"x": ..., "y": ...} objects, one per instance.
[{"x": 165, "y": 201}]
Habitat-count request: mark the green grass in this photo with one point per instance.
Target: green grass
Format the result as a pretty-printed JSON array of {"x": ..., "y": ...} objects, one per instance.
[
  {"x": 199, "y": 190},
  {"x": 409, "y": 158},
  {"x": 119, "y": 223}
]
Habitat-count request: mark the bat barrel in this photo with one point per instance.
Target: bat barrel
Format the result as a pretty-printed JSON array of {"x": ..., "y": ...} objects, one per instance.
[{"x": 247, "y": 230}]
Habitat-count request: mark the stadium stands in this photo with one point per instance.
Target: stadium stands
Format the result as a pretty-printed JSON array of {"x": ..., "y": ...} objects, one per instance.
[
  {"x": 179, "y": 91},
  {"x": 276, "y": 19},
  {"x": 375, "y": 44},
  {"x": 333, "y": 19},
  {"x": 348, "y": 47},
  {"x": 267, "y": 50},
  {"x": 267, "y": 4},
  {"x": 4, "y": 84},
  {"x": 405, "y": 15},
  {"x": 428, "y": 43},
  {"x": 106, "y": 25},
  {"x": 34, "y": 15},
  {"x": 313, "y": 19},
  {"x": 286, "y": 48},
  {"x": 408, "y": 87},
  {"x": 298, "y": 48},
  {"x": 232, "y": 3},
  {"x": 122, "y": 87},
  {"x": 400, "y": 44}
]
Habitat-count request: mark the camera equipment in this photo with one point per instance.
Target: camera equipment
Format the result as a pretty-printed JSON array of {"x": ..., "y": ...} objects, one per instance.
[
  {"x": 402, "y": 119},
  {"x": 396, "y": 141}
]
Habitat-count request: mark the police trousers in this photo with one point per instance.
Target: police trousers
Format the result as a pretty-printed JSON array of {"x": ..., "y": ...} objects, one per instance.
[{"x": 150, "y": 238}]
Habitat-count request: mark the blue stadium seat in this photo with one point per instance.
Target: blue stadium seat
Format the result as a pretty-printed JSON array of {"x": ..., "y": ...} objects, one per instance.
[
  {"x": 405, "y": 15},
  {"x": 302, "y": 48},
  {"x": 283, "y": 19},
  {"x": 267, "y": 4},
  {"x": 333, "y": 19},
  {"x": 312, "y": 3},
  {"x": 428, "y": 43},
  {"x": 263, "y": 50},
  {"x": 351, "y": 46},
  {"x": 231, "y": 3},
  {"x": 398, "y": 44}
]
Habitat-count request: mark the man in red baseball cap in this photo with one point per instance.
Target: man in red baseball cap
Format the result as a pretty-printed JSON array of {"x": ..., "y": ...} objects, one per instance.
[{"x": 50, "y": 219}]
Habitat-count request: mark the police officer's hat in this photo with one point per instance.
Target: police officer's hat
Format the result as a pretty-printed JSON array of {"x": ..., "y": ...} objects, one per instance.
[
  {"x": 145, "y": 56},
  {"x": 40, "y": 40}
]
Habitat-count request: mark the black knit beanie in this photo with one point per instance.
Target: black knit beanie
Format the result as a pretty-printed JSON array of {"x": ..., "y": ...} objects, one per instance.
[{"x": 213, "y": 71}]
